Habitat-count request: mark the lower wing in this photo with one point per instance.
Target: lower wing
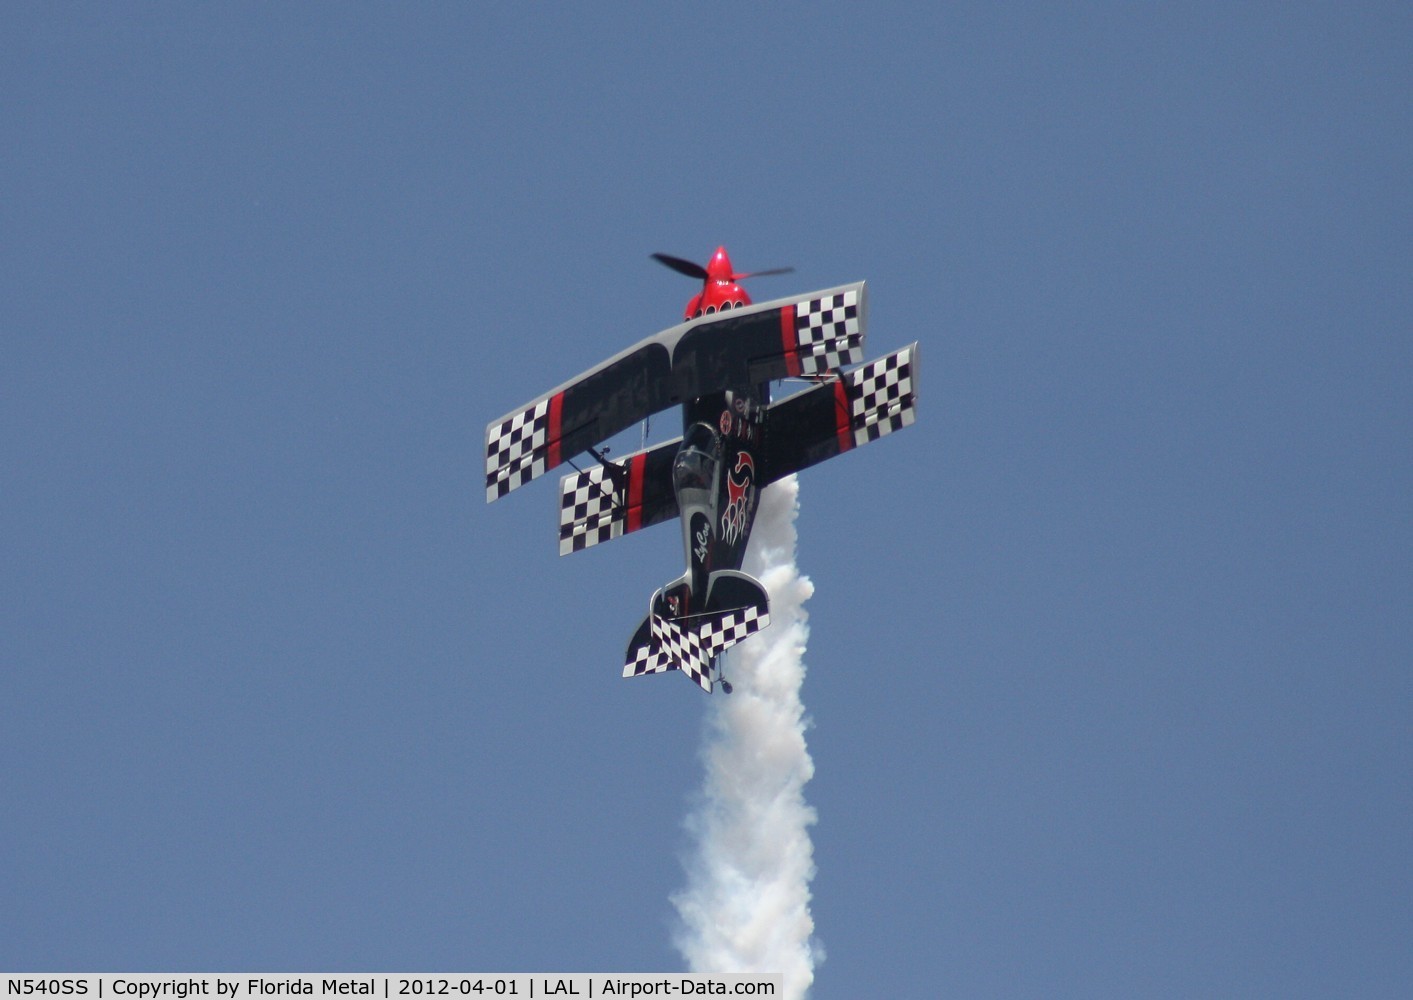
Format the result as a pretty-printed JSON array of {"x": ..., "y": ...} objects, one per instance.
[{"x": 840, "y": 414}]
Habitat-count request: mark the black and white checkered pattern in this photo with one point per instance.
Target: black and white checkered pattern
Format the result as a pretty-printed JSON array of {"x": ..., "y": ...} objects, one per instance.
[
  {"x": 881, "y": 396},
  {"x": 829, "y": 333},
  {"x": 516, "y": 449},
  {"x": 689, "y": 644},
  {"x": 654, "y": 657},
  {"x": 684, "y": 646},
  {"x": 590, "y": 511},
  {"x": 723, "y": 630}
]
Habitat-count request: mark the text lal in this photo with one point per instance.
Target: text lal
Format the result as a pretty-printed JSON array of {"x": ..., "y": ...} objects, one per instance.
[{"x": 623, "y": 987}]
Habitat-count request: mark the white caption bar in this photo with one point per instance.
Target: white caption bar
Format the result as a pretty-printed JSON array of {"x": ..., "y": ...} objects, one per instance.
[{"x": 388, "y": 986}]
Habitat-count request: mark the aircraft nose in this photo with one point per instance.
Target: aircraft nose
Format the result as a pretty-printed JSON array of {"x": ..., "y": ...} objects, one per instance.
[{"x": 720, "y": 267}]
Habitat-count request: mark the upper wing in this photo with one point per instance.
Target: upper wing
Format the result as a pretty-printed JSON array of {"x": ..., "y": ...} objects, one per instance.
[
  {"x": 530, "y": 441},
  {"x": 843, "y": 413},
  {"x": 605, "y": 501},
  {"x": 806, "y": 334}
]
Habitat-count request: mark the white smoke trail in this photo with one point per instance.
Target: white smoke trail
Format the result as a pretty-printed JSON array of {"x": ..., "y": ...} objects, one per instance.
[{"x": 746, "y": 904}]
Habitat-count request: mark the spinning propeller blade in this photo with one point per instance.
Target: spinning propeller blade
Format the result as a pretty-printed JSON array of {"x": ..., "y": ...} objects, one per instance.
[
  {"x": 763, "y": 274},
  {"x": 692, "y": 270},
  {"x": 681, "y": 266}
]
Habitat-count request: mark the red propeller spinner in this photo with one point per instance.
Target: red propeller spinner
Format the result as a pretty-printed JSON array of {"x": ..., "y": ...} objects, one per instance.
[{"x": 720, "y": 283}]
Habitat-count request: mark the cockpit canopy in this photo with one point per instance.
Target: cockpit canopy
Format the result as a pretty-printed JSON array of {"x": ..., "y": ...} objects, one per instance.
[{"x": 697, "y": 459}]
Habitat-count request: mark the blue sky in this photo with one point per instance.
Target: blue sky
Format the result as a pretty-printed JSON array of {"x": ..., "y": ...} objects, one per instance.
[{"x": 1109, "y": 653}]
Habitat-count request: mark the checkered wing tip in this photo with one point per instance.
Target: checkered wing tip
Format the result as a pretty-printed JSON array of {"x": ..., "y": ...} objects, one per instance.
[
  {"x": 883, "y": 395},
  {"x": 829, "y": 331},
  {"x": 517, "y": 449},
  {"x": 591, "y": 510}
]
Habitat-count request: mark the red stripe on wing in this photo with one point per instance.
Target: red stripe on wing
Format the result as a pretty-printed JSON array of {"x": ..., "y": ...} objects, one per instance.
[
  {"x": 789, "y": 340},
  {"x": 634, "y": 514},
  {"x": 556, "y": 418},
  {"x": 842, "y": 423}
]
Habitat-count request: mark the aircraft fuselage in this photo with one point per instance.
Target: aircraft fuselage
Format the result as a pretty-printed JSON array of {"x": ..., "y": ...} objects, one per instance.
[{"x": 715, "y": 480}]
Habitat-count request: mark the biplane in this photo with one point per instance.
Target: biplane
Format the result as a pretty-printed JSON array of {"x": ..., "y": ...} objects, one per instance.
[{"x": 718, "y": 365}]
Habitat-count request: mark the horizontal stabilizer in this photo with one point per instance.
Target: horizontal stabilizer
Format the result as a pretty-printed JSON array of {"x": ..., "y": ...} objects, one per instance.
[
  {"x": 607, "y": 501},
  {"x": 842, "y": 413},
  {"x": 736, "y": 607}
]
